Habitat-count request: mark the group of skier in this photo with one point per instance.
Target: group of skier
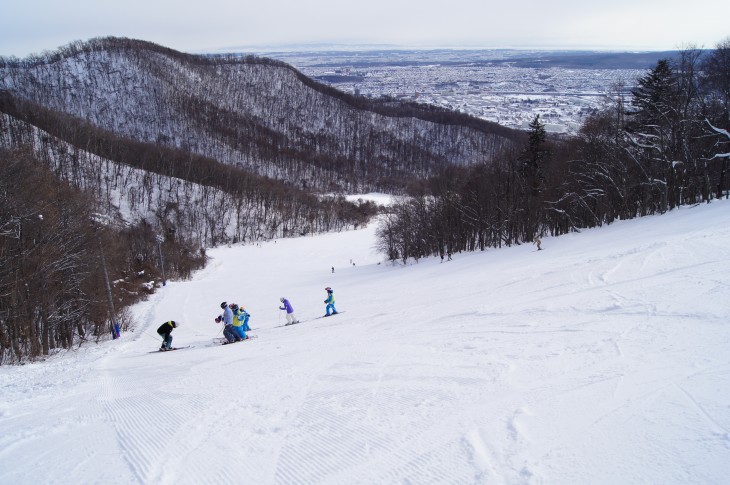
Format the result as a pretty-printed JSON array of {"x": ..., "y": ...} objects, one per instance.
[
  {"x": 292, "y": 319},
  {"x": 235, "y": 320}
]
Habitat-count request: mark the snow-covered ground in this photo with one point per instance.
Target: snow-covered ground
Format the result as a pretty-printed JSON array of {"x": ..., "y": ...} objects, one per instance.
[
  {"x": 378, "y": 198},
  {"x": 603, "y": 359}
]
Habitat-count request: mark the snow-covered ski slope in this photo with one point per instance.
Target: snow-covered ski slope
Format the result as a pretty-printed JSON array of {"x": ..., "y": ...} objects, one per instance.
[{"x": 604, "y": 359}]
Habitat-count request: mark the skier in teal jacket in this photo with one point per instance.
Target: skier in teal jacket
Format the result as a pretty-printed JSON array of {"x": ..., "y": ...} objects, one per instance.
[{"x": 330, "y": 302}]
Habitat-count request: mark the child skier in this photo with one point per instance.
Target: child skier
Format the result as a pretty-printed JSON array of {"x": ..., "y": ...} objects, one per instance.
[
  {"x": 240, "y": 322},
  {"x": 290, "y": 318},
  {"x": 330, "y": 302},
  {"x": 165, "y": 331},
  {"x": 244, "y": 316}
]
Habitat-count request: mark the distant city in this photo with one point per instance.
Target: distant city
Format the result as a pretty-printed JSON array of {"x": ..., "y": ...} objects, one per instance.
[{"x": 504, "y": 86}]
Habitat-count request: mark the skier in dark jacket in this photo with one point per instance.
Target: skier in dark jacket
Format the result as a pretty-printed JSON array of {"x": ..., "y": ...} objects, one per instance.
[{"x": 165, "y": 331}]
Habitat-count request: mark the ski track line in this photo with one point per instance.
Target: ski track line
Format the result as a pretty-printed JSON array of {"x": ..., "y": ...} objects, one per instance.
[
  {"x": 375, "y": 390},
  {"x": 90, "y": 454},
  {"x": 66, "y": 418},
  {"x": 188, "y": 439},
  {"x": 481, "y": 456},
  {"x": 444, "y": 463},
  {"x": 702, "y": 412},
  {"x": 332, "y": 440},
  {"x": 113, "y": 411},
  {"x": 148, "y": 425},
  {"x": 319, "y": 447},
  {"x": 633, "y": 401},
  {"x": 140, "y": 435},
  {"x": 323, "y": 444},
  {"x": 517, "y": 440},
  {"x": 427, "y": 456},
  {"x": 421, "y": 460},
  {"x": 619, "y": 383},
  {"x": 544, "y": 296},
  {"x": 282, "y": 471},
  {"x": 514, "y": 427},
  {"x": 172, "y": 442}
]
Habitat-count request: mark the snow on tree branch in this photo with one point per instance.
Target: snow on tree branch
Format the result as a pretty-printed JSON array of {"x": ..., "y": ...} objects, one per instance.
[{"x": 721, "y": 132}]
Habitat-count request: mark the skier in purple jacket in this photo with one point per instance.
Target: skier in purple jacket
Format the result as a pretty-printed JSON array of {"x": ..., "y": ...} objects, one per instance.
[{"x": 290, "y": 318}]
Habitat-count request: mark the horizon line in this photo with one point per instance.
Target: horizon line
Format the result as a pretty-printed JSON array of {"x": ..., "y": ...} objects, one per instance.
[{"x": 347, "y": 47}]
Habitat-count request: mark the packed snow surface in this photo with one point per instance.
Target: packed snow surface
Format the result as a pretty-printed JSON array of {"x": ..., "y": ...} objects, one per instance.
[{"x": 604, "y": 358}]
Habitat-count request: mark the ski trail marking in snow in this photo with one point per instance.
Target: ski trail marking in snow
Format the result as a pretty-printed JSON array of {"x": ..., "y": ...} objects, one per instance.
[
  {"x": 619, "y": 381},
  {"x": 702, "y": 412},
  {"x": 481, "y": 453},
  {"x": 335, "y": 433},
  {"x": 514, "y": 425},
  {"x": 618, "y": 347},
  {"x": 149, "y": 425}
]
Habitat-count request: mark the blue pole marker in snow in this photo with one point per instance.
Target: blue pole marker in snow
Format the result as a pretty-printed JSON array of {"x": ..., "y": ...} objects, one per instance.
[{"x": 162, "y": 261}]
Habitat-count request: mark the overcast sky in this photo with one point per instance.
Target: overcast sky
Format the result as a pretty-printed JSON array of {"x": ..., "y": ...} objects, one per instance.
[{"x": 32, "y": 26}]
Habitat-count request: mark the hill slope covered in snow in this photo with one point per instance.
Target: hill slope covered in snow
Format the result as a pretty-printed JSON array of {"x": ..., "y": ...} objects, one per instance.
[
  {"x": 602, "y": 359},
  {"x": 254, "y": 113}
]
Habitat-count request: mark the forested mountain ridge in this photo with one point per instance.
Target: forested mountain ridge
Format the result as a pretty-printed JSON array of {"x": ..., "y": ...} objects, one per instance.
[
  {"x": 201, "y": 201},
  {"x": 254, "y": 113}
]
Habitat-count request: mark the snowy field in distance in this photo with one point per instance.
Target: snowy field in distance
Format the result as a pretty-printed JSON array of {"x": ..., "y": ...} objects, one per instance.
[
  {"x": 602, "y": 359},
  {"x": 375, "y": 197}
]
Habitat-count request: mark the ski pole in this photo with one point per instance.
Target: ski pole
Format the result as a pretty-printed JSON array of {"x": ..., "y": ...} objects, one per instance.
[{"x": 150, "y": 336}]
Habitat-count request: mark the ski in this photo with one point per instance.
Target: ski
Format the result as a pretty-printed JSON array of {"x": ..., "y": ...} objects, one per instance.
[
  {"x": 304, "y": 321},
  {"x": 290, "y": 324},
  {"x": 226, "y": 342},
  {"x": 160, "y": 351},
  {"x": 327, "y": 316}
]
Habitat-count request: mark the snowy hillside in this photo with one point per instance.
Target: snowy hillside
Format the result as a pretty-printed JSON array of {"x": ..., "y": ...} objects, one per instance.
[
  {"x": 257, "y": 114},
  {"x": 197, "y": 212},
  {"x": 602, "y": 359}
]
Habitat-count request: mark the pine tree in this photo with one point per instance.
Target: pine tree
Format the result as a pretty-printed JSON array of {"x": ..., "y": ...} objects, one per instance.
[
  {"x": 716, "y": 68},
  {"x": 535, "y": 155},
  {"x": 654, "y": 98},
  {"x": 656, "y": 134}
]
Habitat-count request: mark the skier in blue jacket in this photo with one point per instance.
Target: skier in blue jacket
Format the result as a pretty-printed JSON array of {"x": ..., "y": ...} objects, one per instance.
[
  {"x": 245, "y": 319},
  {"x": 290, "y": 318},
  {"x": 330, "y": 302}
]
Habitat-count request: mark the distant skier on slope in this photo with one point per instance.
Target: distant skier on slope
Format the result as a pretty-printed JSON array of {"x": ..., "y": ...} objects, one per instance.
[
  {"x": 330, "y": 302},
  {"x": 537, "y": 242},
  {"x": 227, "y": 320},
  {"x": 165, "y": 331},
  {"x": 290, "y": 318}
]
